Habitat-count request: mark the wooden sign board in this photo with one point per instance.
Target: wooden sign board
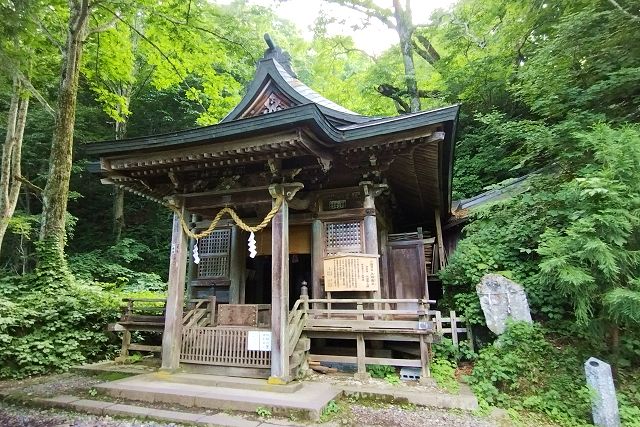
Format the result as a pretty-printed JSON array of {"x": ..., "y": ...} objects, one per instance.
[
  {"x": 351, "y": 272},
  {"x": 238, "y": 315}
]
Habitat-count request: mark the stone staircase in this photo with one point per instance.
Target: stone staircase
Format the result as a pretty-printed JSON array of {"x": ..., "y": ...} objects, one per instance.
[{"x": 304, "y": 400}]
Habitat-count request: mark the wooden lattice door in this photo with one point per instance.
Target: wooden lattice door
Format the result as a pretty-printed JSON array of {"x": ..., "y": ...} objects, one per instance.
[{"x": 212, "y": 274}]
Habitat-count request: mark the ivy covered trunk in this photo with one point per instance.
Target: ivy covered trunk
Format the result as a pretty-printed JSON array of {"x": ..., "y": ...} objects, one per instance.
[
  {"x": 11, "y": 156},
  {"x": 56, "y": 192}
]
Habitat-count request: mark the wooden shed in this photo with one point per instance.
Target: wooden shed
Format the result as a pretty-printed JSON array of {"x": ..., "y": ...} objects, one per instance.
[{"x": 337, "y": 182}]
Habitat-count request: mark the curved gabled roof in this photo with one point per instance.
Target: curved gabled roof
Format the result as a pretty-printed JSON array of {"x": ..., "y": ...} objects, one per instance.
[{"x": 271, "y": 76}]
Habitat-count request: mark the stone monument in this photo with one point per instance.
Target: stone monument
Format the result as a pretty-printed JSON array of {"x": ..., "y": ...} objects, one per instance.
[
  {"x": 604, "y": 404},
  {"x": 501, "y": 299}
]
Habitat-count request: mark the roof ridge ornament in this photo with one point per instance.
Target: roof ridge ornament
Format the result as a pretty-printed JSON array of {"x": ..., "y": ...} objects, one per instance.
[{"x": 281, "y": 56}]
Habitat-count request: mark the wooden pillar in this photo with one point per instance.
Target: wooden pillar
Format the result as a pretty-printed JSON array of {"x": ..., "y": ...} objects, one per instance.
[
  {"x": 237, "y": 253},
  {"x": 316, "y": 259},
  {"x": 280, "y": 372},
  {"x": 172, "y": 337}
]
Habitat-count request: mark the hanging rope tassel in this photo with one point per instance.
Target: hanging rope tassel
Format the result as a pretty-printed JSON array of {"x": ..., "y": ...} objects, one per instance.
[
  {"x": 196, "y": 255},
  {"x": 252, "y": 245}
]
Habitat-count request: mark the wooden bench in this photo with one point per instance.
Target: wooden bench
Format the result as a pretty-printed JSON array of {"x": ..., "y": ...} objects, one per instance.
[{"x": 148, "y": 315}]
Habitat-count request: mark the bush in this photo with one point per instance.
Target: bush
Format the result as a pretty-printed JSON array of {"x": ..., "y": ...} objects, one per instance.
[
  {"x": 113, "y": 267},
  {"x": 444, "y": 372},
  {"x": 51, "y": 328},
  {"x": 524, "y": 371}
]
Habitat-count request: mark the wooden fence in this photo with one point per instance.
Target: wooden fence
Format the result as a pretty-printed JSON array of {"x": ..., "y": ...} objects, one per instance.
[
  {"x": 219, "y": 345},
  {"x": 451, "y": 327}
]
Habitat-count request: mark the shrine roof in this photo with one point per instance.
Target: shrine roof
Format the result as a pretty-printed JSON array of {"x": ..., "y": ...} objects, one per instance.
[{"x": 306, "y": 115}]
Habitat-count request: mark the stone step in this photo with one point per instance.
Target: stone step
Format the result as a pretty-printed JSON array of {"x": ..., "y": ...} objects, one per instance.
[
  {"x": 226, "y": 382},
  {"x": 101, "y": 407},
  {"x": 307, "y": 402}
]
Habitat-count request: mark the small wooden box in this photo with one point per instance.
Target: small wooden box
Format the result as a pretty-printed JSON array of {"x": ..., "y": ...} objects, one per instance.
[{"x": 351, "y": 272}]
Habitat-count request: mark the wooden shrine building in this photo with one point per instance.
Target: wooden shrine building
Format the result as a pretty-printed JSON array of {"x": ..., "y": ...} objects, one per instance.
[{"x": 360, "y": 202}]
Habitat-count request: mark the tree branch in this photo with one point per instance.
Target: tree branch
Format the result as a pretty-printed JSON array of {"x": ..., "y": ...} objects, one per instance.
[
  {"x": 368, "y": 8},
  {"x": 28, "y": 183},
  {"x": 14, "y": 70},
  {"x": 623, "y": 10},
  {"x": 426, "y": 51},
  {"x": 394, "y": 93},
  {"x": 205, "y": 30},
  {"x": 104, "y": 27}
]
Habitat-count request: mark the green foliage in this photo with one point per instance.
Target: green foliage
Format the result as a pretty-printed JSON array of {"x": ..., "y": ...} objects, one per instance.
[
  {"x": 332, "y": 408},
  {"x": 111, "y": 267},
  {"x": 52, "y": 326},
  {"x": 523, "y": 370},
  {"x": 393, "y": 379},
  {"x": 444, "y": 372},
  {"x": 446, "y": 350},
  {"x": 263, "y": 412},
  {"x": 380, "y": 371}
]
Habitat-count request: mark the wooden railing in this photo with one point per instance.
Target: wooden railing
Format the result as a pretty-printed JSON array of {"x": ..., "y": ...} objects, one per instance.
[
  {"x": 371, "y": 320},
  {"x": 296, "y": 321}
]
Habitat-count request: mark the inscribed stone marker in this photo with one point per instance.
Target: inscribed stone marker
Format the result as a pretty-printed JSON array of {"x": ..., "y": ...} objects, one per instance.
[
  {"x": 501, "y": 299},
  {"x": 604, "y": 404}
]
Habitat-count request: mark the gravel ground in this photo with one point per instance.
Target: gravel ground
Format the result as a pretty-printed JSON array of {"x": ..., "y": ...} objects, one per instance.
[
  {"x": 353, "y": 414},
  {"x": 51, "y": 385},
  {"x": 14, "y": 416},
  {"x": 419, "y": 417}
]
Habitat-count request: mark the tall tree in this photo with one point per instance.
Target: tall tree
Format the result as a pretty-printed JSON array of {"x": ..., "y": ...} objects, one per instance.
[
  {"x": 56, "y": 192},
  {"x": 10, "y": 171},
  {"x": 399, "y": 19}
]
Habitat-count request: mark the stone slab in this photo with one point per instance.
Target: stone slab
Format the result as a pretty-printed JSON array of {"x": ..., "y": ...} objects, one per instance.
[
  {"x": 174, "y": 416},
  {"x": 62, "y": 400},
  {"x": 96, "y": 407},
  {"x": 465, "y": 400},
  {"x": 127, "y": 410},
  {"x": 227, "y": 420},
  {"x": 223, "y": 381},
  {"x": 308, "y": 401}
]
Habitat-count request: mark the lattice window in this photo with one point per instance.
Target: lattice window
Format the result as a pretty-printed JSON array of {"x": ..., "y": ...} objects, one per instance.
[
  {"x": 214, "y": 254},
  {"x": 343, "y": 237}
]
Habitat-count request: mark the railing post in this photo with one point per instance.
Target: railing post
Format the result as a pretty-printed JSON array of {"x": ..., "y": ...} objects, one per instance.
[
  {"x": 212, "y": 311},
  {"x": 304, "y": 296}
]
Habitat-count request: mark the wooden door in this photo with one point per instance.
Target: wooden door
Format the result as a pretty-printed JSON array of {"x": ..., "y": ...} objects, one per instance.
[{"x": 406, "y": 266}]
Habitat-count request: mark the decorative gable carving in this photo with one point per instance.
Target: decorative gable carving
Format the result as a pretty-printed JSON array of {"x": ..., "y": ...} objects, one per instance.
[{"x": 269, "y": 102}]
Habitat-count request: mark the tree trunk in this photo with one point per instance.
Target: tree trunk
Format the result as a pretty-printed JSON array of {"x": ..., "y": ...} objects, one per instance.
[
  {"x": 12, "y": 156},
  {"x": 56, "y": 192},
  {"x": 118, "y": 192},
  {"x": 404, "y": 27}
]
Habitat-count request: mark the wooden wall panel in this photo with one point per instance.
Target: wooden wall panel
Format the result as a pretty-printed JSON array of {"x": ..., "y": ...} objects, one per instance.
[{"x": 299, "y": 240}]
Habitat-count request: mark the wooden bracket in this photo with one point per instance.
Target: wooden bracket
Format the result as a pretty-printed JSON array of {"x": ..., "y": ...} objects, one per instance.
[
  {"x": 288, "y": 190},
  {"x": 374, "y": 190}
]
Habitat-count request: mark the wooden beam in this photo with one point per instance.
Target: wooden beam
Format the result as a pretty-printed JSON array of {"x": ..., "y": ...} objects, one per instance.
[
  {"x": 440, "y": 239},
  {"x": 172, "y": 337}
]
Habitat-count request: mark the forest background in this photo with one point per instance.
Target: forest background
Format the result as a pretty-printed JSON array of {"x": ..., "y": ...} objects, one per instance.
[{"x": 548, "y": 89}]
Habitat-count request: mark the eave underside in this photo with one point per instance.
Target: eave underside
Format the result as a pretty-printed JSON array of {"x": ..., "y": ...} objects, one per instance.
[{"x": 236, "y": 173}]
